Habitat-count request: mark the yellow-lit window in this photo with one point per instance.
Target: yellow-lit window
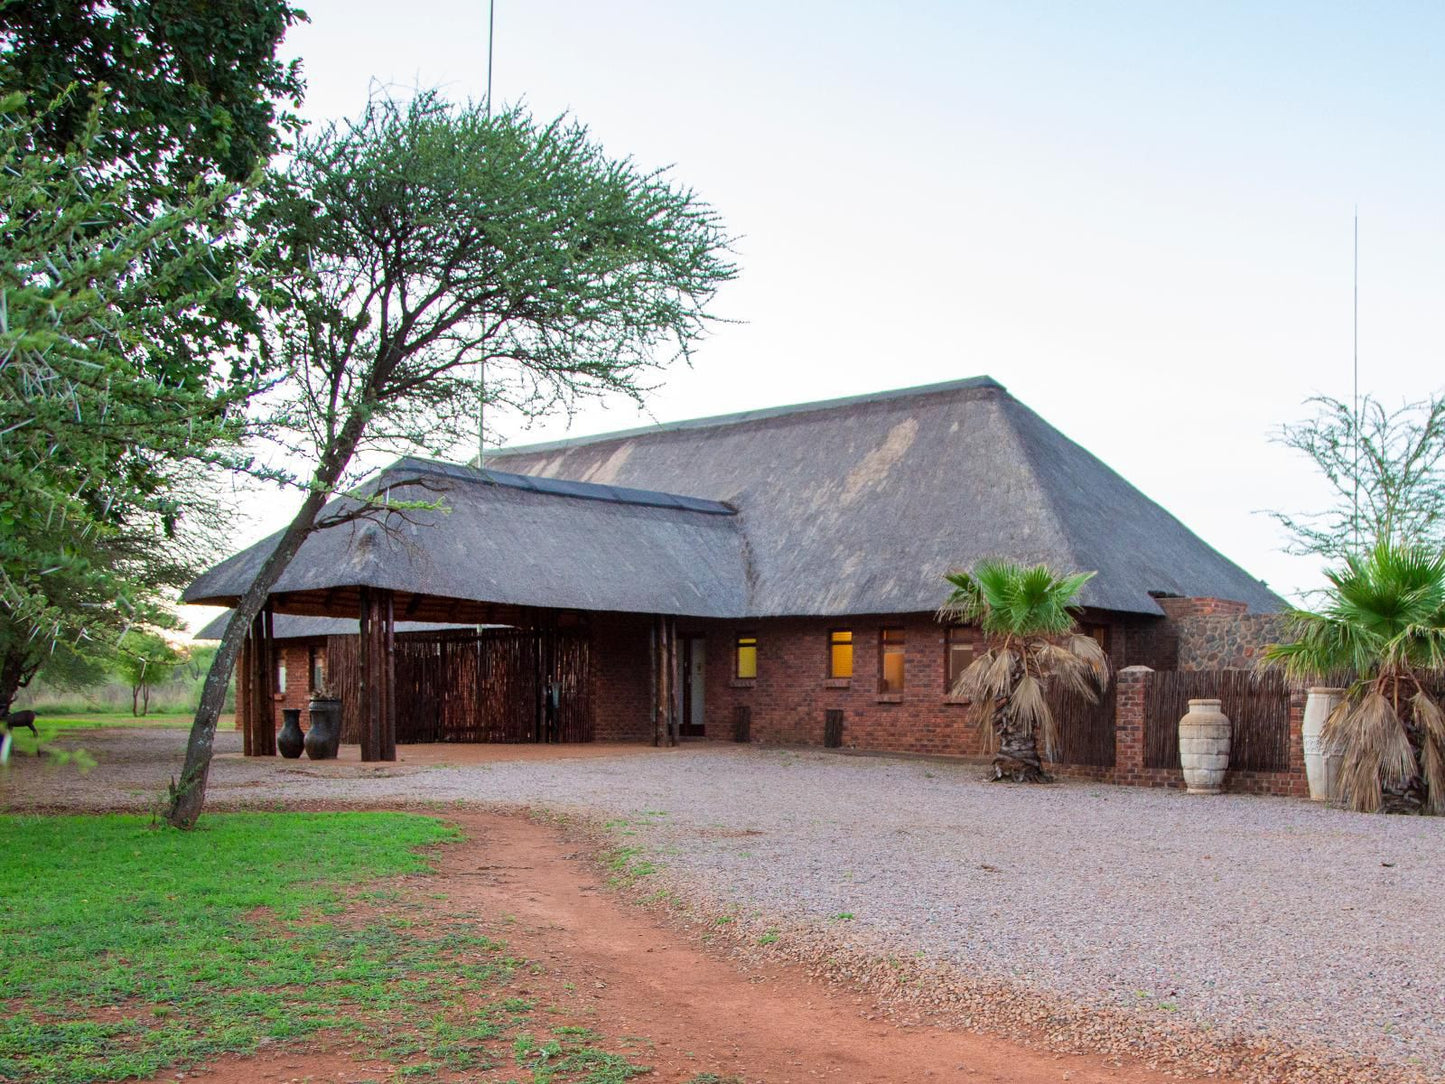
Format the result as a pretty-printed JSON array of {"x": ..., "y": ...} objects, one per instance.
[
  {"x": 840, "y": 653},
  {"x": 958, "y": 655},
  {"x": 747, "y": 656},
  {"x": 890, "y": 669}
]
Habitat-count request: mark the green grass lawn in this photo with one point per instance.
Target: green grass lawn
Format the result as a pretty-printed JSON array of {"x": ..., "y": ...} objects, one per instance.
[
  {"x": 131, "y": 948},
  {"x": 51, "y": 727},
  {"x": 84, "y": 720}
]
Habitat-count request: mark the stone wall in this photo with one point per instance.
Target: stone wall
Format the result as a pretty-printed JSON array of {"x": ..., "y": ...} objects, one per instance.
[{"x": 1225, "y": 641}]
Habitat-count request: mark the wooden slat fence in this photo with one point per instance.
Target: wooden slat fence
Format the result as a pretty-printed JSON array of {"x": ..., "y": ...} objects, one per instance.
[
  {"x": 1256, "y": 701},
  {"x": 467, "y": 686},
  {"x": 343, "y": 676},
  {"x": 1086, "y": 728}
]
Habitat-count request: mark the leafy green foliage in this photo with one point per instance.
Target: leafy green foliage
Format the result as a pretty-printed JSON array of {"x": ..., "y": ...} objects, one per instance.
[
  {"x": 427, "y": 237},
  {"x": 188, "y": 95},
  {"x": 1006, "y": 599},
  {"x": 425, "y": 240},
  {"x": 99, "y": 454},
  {"x": 1386, "y": 471},
  {"x": 145, "y": 660},
  {"x": 1383, "y": 622}
]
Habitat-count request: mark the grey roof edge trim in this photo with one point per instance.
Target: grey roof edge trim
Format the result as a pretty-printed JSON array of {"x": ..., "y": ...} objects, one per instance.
[
  {"x": 557, "y": 487},
  {"x": 970, "y": 383}
]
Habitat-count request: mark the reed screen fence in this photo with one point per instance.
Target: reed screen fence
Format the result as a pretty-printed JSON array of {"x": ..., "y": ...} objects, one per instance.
[
  {"x": 1256, "y": 702},
  {"x": 1086, "y": 727}
]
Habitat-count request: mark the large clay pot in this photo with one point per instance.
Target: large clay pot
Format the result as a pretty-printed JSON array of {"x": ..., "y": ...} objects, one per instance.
[
  {"x": 1204, "y": 747},
  {"x": 289, "y": 739},
  {"x": 1322, "y": 765},
  {"x": 323, "y": 740}
]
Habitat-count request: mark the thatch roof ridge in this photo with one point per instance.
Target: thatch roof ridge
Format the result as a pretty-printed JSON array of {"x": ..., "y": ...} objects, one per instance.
[
  {"x": 984, "y": 384},
  {"x": 586, "y": 491}
]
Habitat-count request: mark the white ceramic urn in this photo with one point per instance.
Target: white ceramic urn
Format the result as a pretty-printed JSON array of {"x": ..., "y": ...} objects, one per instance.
[
  {"x": 1322, "y": 765},
  {"x": 1204, "y": 735}
]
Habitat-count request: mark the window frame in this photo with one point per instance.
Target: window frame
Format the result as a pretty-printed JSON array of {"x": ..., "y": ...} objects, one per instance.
[
  {"x": 949, "y": 632},
  {"x": 901, "y": 644},
  {"x": 831, "y": 672},
  {"x": 741, "y": 642}
]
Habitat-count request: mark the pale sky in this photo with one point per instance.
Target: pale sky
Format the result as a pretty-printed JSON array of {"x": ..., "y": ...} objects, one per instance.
[{"x": 1136, "y": 216}]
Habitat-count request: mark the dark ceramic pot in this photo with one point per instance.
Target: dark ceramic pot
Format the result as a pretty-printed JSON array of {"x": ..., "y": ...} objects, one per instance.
[
  {"x": 323, "y": 740},
  {"x": 289, "y": 739}
]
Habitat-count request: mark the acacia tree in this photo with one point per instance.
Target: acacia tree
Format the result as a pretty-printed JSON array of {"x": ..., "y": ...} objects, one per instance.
[
  {"x": 188, "y": 95},
  {"x": 144, "y": 660},
  {"x": 1026, "y": 615},
  {"x": 99, "y": 445},
  {"x": 1386, "y": 471},
  {"x": 128, "y": 334},
  {"x": 427, "y": 239}
]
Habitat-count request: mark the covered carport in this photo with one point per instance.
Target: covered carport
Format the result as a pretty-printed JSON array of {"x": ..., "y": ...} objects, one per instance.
[{"x": 531, "y": 564}]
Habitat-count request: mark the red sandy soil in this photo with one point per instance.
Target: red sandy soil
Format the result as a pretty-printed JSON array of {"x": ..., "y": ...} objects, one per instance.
[{"x": 617, "y": 968}]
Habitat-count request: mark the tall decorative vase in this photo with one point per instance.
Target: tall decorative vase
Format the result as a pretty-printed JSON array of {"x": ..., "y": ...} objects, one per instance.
[
  {"x": 1204, "y": 735},
  {"x": 323, "y": 740},
  {"x": 289, "y": 739},
  {"x": 1322, "y": 765}
]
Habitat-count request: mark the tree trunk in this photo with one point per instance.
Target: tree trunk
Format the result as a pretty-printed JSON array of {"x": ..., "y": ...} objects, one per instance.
[
  {"x": 17, "y": 667},
  {"x": 1017, "y": 759},
  {"x": 188, "y": 794}
]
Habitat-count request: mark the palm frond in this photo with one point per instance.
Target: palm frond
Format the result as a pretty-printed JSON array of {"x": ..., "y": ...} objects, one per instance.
[{"x": 1431, "y": 721}]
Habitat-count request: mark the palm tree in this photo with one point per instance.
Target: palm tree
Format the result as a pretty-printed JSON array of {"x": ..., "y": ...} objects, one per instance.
[
  {"x": 1030, "y": 640},
  {"x": 1383, "y": 622}
]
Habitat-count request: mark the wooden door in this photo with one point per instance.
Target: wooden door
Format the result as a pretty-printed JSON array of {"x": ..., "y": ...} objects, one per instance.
[{"x": 694, "y": 686}]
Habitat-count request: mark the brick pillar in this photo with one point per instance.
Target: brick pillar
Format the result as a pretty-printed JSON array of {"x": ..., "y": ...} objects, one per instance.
[
  {"x": 1131, "y": 683},
  {"x": 1299, "y": 786}
]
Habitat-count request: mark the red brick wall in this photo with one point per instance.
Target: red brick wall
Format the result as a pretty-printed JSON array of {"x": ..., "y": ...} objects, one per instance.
[
  {"x": 621, "y": 677},
  {"x": 791, "y": 692},
  {"x": 1200, "y": 607},
  {"x": 296, "y": 656}
]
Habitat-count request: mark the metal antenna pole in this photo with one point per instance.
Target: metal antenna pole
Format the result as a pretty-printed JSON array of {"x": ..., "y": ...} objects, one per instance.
[
  {"x": 482, "y": 361},
  {"x": 1356, "y": 347}
]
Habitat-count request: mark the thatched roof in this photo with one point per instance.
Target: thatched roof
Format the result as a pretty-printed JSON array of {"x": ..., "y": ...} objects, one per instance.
[
  {"x": 513, "y": 541},
  {"x": 860, "y": 505},
  {"x": 854, "y": 506},
  {"x": 294, "y": 627}
]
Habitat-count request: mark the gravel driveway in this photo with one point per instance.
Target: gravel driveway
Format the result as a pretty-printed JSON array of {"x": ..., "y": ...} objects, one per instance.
[{"x": 1249, "y": 915}]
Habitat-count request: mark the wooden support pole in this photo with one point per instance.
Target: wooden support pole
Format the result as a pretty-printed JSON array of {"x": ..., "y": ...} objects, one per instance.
[
  {"x": 370, "y": 684},
  {"x": 652, "y": 690},
  {"x": 266, "y": 736},
  {"x": 674, "y": 715},
  {"x": 388, "y": 674},
  {"x": 243, "y": 695}
]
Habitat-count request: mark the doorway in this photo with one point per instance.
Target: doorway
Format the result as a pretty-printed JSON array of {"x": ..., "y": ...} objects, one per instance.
[{"x": 694, "y": 686}]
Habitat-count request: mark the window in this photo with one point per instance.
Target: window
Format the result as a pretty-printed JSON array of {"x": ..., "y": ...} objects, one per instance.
[
  {"x": 890, "y": 661},
  {"x": 840, "y": 653},
  {"x": 958, "y": 654},
  {"x": 747, "y": 656},
  {"x": 1100, "y": 633},
  {"x": 281, "y": 674},
  {"x": 318, "y": 668}
]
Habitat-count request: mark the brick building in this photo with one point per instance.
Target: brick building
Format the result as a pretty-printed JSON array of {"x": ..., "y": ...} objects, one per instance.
[{"x": 771, "y": 575}]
